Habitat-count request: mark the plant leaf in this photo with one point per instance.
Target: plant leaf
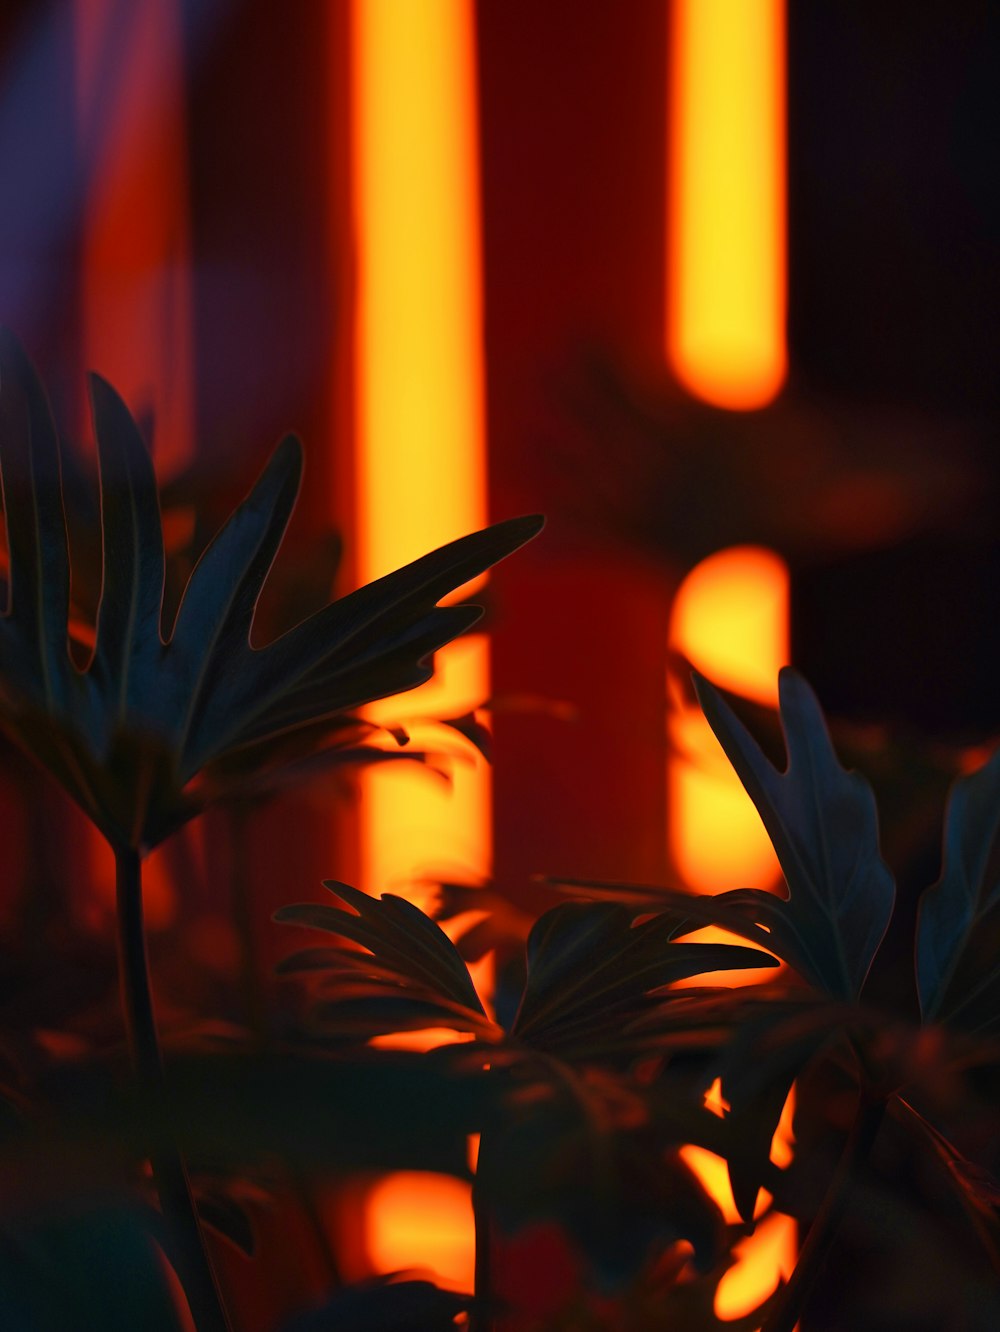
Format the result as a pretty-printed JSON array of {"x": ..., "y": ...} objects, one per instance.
[
  {"x": 212, "y": 632},
  {"x": 587, "y": 961},
  {"x": 38, "y": 610},
  {"x": 823, "y": 825},
  {"x": 410, "y": 948},
  {"x": 129, "y": 645},
  {"x": 958, "y": 926},
  {"x": 385, "y": 630}
]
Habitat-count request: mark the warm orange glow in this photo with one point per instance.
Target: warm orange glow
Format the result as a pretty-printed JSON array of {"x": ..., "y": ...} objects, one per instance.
[
  {"x": 767, "y": 1254},
  {"x": 136, "y": 296},
  {"x": 421, "y": 464},
  {"x": 421, "y": 474},
  {"x": 421, "y": 456},
  {"x": 730, "y": 616},
  {"x": 730, "y": 619},
  {"x": 416, "y": 1219},
  {"x": 726, "y": 200},
  {"x": 417, "y": 824}
]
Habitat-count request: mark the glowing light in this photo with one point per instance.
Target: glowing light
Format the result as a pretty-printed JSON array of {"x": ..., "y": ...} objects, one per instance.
[
  {"x": 726, "y": 200},
  {"x": 769, "y": 1252},
  {"x": 420, "y": 455},
  {"x": 416, "y": 1219},
  {"x": 420, "y": 473},
  {"x": 730, "y": 619},
  {"x": 421, "y": 463}
]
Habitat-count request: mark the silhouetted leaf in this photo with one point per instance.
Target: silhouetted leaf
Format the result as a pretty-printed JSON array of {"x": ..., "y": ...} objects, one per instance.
[
  {"x": 621, "y": 1194},
  {"x": 469, "y": 726},
  {"x": 958, "y": 928},
  {"x": 823, "y": 825},
  {"x": 386, "y": 1305},
  {"x": 588, "y": 962},
  {"x": 407, "y": 950},
  {"x": 772, "y": 1043},
  {"x": 128, "y": 734}
]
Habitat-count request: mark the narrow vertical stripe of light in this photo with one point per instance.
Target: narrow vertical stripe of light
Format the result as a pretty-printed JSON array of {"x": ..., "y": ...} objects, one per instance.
[
  {"x": 420, "y": 461},
  {"x": 726, "y": 261}
]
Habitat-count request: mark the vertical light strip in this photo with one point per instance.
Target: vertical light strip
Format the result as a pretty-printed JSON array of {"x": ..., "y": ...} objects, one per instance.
[
  {"x": 726, "y": 200},
  {"x": 725, "y": 342},
  {"x": 730, "y": 618},
  {"x": 135, "y": 278},
  {"x": 420, "y": 464}
]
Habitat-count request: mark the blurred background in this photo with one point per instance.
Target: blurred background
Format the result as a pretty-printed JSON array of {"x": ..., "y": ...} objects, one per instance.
[{"x": 711, "y": 285}]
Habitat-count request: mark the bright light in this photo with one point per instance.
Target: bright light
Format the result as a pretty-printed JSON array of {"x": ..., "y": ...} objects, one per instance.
[
  {"x": 135, "y": 261},
  {"x": 730, "y": 620},
  {"x": 726, "y": 200},
  {"x": 421, "y": 471}
]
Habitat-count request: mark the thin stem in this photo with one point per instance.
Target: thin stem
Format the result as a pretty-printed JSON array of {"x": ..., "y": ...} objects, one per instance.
[
  {"x": 822, "y": 1232},
  {"x": 249, "y": 958},
  {"x": 169, "y": 1173},
  {"x": 481, "y": 1318}
]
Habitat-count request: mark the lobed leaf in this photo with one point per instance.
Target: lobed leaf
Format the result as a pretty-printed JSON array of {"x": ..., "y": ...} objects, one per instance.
[
  {"x": 587, "y": 961},
  {"x": 129, "y": 731},
  {"x": 129, "y": 646},
  {"x": 211, "y": 638},
  {"x": 958, "y": 925},
  {"x": 384, "y": 632},
  {"x": 823, "y": 825},
  {"x": 406, "y": 947}
]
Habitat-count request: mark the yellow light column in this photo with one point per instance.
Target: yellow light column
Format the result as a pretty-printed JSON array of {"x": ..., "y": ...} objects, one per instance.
[
  {"x": 726, "y": 200},
  {"x": 421, "y": 469}
]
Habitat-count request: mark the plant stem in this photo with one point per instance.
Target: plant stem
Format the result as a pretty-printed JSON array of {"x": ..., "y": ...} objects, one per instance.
[
  {"x": 481, "y": 1318},
  {"x": 249, "y": 961},
  {"x": 822, "y": 1232},
  {"x": 169, "y": 1173}
]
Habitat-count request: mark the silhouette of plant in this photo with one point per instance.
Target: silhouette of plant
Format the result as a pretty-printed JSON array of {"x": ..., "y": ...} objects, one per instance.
[
  {"x": 611, "y": 1035},
  {"x": 158, "y": 724}
]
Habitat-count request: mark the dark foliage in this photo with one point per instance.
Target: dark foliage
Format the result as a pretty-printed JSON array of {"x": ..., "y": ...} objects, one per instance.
[
  {"x": 128, "y": 736},
  {"x": 614, "y": 1050}
]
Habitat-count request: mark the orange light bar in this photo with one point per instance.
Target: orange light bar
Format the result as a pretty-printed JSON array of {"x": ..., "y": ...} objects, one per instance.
[
  {"x": 730, "y": 619},
  {"x": 726, "y": 200},
  {"x": 421, "y": 470},
  {"x": 135, "y": 262},
  {"x": 421, "y": 462}
]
